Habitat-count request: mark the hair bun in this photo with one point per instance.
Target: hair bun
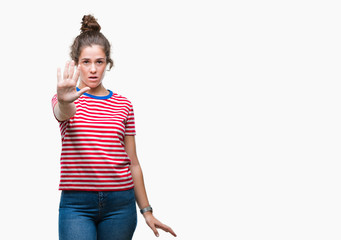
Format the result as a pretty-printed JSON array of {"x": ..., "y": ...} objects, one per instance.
[{"x": 89, "y": 23}]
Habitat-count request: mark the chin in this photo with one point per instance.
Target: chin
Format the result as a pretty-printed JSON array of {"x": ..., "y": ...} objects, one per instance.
[{"x": 92, "y": 85}]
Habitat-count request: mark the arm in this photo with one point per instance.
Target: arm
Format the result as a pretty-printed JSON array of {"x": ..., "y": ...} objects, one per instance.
[
  {"x": 140, "y": 190},
  {"x": 64, "y": 111},
  {"x": 67, "y": 93}
]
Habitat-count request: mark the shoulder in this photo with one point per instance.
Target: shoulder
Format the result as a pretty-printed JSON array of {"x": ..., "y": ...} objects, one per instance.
[{"x": 119, "y": 99}]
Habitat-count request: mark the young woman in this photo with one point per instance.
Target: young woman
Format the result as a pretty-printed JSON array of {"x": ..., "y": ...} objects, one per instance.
[{"x": 101, "y": 177}]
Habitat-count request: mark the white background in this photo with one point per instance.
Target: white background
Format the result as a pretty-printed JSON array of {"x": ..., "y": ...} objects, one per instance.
[{"x": 237, "y": 107}]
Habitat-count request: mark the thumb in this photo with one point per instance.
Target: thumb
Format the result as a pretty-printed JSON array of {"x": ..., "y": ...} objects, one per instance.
[
  {"x": 83, "y": 90},
  {"x": 152, "y": 226}
]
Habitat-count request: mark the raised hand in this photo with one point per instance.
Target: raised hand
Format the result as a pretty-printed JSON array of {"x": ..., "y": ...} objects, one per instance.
[{"x": 66, "y": 86}]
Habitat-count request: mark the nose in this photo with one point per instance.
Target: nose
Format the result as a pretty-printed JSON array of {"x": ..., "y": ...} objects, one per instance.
[{"x": 93, "y": 68}]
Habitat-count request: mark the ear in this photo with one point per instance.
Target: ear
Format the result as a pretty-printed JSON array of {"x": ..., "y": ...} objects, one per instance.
[{"x": 108, "y": 67}]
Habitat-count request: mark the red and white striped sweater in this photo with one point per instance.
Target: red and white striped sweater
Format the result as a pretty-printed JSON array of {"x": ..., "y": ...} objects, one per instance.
[{"x": 93, "y": 156}]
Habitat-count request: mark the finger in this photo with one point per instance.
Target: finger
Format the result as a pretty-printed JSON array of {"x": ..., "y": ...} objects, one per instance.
[
  {"x": 66, "y": 69},
  {"x": 172, "y": 232},
  {"x": 58, "y": 75},
  {"x": 76, "y": 75},
  {"x": 71, "y": 69},
  {"x": 83, "y": 90},
  {"x": 166, "y": 229},
  {"x": 152, "y": 226}
]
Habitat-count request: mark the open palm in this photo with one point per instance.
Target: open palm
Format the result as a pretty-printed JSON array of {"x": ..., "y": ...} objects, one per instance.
[{"x": 66, "y": 86}]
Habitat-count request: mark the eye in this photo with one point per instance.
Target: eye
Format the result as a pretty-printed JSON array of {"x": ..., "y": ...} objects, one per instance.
[
  {"x": 85, "y": 62},
  {"x": 100, "y": 62}
]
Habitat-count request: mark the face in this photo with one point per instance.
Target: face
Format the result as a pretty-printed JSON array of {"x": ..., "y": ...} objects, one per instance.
[{"x": 92, "y": 62}]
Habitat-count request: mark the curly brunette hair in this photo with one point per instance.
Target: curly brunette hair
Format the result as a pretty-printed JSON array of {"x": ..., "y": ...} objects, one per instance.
[{"x": 90, "y": 35}]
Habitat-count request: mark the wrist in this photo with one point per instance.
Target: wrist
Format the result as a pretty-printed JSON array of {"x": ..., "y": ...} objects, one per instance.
[
  {"x": 146, "y": 215},
  {"x": 63, "y": 103},
  {"x": 147, "y": 209}
]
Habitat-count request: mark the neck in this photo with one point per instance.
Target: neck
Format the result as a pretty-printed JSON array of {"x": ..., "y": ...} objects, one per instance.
[{"x": 100, "y": 90}]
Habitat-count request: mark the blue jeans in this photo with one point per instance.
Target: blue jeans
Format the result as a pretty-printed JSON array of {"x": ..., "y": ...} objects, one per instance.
[{"x": 88, "y": 215}]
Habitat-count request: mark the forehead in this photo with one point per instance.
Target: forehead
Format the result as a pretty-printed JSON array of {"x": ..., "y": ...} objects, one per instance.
[{"x": 94, "y": 51}]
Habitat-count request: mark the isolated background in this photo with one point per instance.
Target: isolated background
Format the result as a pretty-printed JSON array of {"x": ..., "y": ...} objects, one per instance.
[{"x": 237, "y": 111}]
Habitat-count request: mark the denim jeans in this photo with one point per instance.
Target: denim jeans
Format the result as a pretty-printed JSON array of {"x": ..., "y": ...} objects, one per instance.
[{"x": 89, "y": 215}]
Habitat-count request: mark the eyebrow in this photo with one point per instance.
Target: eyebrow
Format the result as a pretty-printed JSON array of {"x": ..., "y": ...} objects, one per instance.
[{"x": 95, "y": 59}]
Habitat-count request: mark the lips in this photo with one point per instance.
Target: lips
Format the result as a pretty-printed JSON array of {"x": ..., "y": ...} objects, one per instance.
[{"x": 93, "y": 78}]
